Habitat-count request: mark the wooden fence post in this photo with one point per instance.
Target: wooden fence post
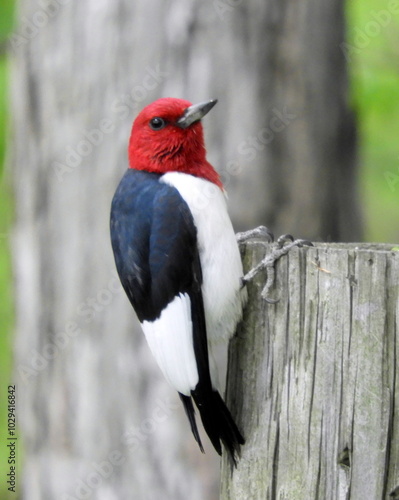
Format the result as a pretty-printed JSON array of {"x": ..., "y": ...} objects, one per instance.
[{"x": 313, "y": 379}]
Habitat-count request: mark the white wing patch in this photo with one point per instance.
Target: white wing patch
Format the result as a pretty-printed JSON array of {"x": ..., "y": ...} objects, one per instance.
[{"x": 170, "y": 338}]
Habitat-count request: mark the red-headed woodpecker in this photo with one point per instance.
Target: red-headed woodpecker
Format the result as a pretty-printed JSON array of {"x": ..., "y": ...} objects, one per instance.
[{"x": 178, "y": 259}]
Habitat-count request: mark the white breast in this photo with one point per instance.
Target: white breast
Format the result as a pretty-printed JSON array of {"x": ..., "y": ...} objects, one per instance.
[{"x": 219, "y": 254}]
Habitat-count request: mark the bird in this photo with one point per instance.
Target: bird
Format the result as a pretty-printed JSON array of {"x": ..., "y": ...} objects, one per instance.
[{"x": 178, "y": 259}]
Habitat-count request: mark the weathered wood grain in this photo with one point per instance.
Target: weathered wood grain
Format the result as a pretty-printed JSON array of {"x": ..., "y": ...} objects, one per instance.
[{"x": 314, "y": 380}]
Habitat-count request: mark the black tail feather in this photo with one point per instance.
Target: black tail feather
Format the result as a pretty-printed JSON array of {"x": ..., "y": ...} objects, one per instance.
[
  {"x": 218, "y": 422},
  {"x": 216, "y": 418},
  {"x": 190, "y": 412}
]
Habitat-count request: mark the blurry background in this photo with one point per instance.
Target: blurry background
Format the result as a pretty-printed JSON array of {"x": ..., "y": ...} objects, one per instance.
[{"x": 298, "y": 150}]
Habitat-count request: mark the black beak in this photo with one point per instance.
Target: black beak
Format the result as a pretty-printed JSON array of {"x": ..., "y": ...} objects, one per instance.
[{"x": 195, "y": 112}]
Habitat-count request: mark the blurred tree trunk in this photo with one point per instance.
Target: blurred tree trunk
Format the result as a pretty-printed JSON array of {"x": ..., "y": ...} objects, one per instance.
[{"x": 96, "y": 417}]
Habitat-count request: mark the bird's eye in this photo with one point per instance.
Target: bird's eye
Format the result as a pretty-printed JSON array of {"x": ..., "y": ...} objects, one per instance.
[{"x": 157, "y": 123}]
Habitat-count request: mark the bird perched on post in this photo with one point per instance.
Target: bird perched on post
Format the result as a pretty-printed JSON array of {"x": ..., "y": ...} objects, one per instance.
[{"x": 178, "y": 259}]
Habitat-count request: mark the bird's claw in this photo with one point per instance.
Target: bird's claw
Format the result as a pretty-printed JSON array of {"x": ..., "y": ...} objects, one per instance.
[
  {"x": 258, "y": 232},
  {"x": 284, "y": 238},
  {"x": 281, "y": 247}
]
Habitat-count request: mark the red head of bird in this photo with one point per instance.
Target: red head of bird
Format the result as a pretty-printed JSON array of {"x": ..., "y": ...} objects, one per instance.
[{"x": 167, "y": 136}]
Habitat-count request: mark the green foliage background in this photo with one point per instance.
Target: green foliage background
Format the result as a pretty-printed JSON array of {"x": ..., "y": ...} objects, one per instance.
[
  {"x": 373, "y": 39},
  {"x": 6, "y": 307},
  {"x": 372, "y": 52}
]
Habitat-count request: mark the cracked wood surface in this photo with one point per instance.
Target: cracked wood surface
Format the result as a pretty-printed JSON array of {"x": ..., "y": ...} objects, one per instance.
[{"x": 313, "y": 379}]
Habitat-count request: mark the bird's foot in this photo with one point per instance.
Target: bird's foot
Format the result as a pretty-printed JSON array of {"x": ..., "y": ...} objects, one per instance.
[
  {"x": 258, "y": 232},
  {"x": 281, "y": 247}
]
